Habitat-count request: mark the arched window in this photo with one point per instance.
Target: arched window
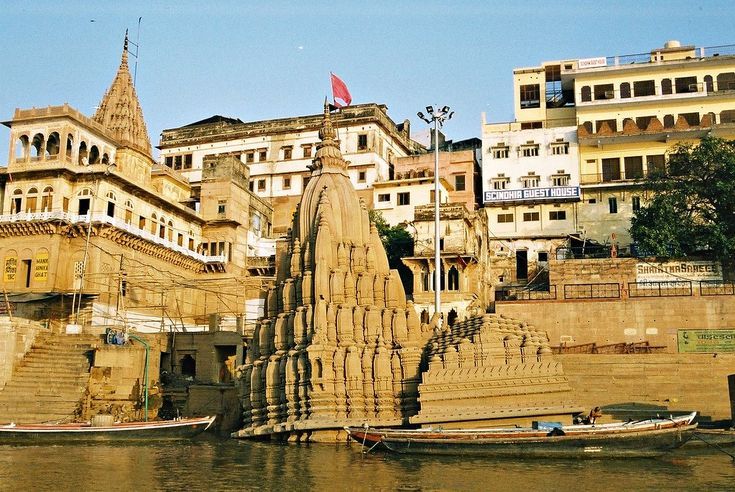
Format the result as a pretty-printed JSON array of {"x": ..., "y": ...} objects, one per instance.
[
  {"x": 587, "y": 126},
  {"x": 669, "y": 121},
  {"x": 726, "y": 81},
  {"x": 452, "y": 317},
  {"x": 586, "y": 93},
  {"x": 162, "y": 228},
  {"x": 94, "y": 155},
  {"x": 69, "y": 146},
  {"x": 111, "y": 199},
  {"x": 424, "y": 316},
  {"x": 31, "y": 200},
  {"x": 52, "y": 145},
  {"x": 708, "y": 83},
  {"x": 16, "y": 202},
  {"x": 453, "y": 278},
  {"x": 128, "y": 212},
  {"x": 154, "y": 223},
  {"x": 625, "y": 90},
  {"x": 37, "y": 147},
  {"x": 105, "y": 158},
  {"x": 424, "y": 273},
  {"x": 47, "y": 199},
  {"x": 170, "y": 230},
  {"x": 83, "y": 154},
  {"x": 22, "y": 148},
  {"x": 666, "y": 86}
]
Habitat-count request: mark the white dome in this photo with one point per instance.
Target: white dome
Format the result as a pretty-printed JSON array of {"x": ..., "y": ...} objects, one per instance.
[{"x": 672, "y": 43}]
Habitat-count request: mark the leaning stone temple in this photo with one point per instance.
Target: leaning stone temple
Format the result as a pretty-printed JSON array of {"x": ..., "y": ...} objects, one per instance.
[{"x": 340, "y": 344}]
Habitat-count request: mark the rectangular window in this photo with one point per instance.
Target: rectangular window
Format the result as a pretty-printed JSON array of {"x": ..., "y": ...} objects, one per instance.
[
  {"x": 404, "y": 198},
  {"x": 611, "y": 169},
  {"x": 634, "y": 167},
  {"x": 250, "y": 156},
  {"x": 261, "y": 185},
  {"x": 287, "y": 152},
  {"x": 384, "y": 197},
  {"x": 560, "y": 180},
  {"x": 262, "y": 155},
  {"x": 559, "y": 148},
  {"x": 178, "y": 162},
  {"x": 686, "y": 84},
  {"x": 612, "y": 204},
  {"x": 530, "y": 125},
  {"x": 307, "y": 150},
  {"x": 141, "y": 223},
  {"x": 691, "y": 118},
  {"x": 362, "y": 141},
  {"x": 530, "y": 181},
  {"x": 459, "y": 183},
  {"x": 169, "y": 161},
  {"x": 604, "y": 91},
  {"x": 530, "y": 216},
  {"x": 529, "y": 150},
  {"x": 187, "y": 161},
  {"x": 655, "y": 163},
  {"x": 287, "y": 183},
  {"x": 530, "y": 96},
  {"x": 558, "y": 215},
  {"x": 612, "y": 124},
  {"x": 505, "y": 218},
  {"x": 361, "y": 177},
  {"x": 500, "y": 152},
  {"x": 500, "y": 183},
  {"x": 251, "y": 185},
  {"x": 636, "y": 203},
  {"x": 643, "y": 121},
  {"x": 644, "y": 88}
]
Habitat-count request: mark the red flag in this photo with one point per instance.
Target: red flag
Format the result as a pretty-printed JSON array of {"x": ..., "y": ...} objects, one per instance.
[{"x": 339, "y": 91}]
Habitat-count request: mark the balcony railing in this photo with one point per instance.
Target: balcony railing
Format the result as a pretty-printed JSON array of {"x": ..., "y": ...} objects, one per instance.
[
  {"x": 592, "y": 291},
  {"x": 105, "y": 219},
  {"x": 611, "y": 177},
  {"x": 660, "y": 289}
]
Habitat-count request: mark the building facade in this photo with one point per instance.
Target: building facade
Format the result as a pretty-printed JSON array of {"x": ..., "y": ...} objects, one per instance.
[
  {"x": 279, "y": 152},
  {"x": 94, "y": 232}
]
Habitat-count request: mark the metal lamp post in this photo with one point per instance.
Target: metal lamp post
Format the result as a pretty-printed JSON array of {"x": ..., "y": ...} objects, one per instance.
[{"x": 437, "y": 116}]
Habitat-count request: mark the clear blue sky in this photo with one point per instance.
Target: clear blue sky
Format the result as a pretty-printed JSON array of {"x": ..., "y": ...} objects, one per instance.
[{"x": 259, "y": 60}]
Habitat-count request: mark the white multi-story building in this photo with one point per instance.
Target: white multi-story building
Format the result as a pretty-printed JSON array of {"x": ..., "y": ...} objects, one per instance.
[
  {"x": 530, "y": 184},
  {"x": 280, "y": 151}
]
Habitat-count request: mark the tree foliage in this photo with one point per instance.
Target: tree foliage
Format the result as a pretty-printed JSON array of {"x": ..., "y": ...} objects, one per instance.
[
  {"x": 692, "y": 210},
  {"x": 396, "y": 239}
]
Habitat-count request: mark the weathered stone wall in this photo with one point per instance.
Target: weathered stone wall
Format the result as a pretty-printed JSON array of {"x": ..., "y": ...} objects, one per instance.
[
  {"x": 677, "y": 382},
  {"x": 16, "y": 338},
  {"x": 605, "y": 321}
]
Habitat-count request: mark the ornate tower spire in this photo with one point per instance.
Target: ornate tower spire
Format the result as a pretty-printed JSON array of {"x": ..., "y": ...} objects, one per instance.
[
  {"x": 328, "y": 158},
  {"x": 119, "y": 111}
]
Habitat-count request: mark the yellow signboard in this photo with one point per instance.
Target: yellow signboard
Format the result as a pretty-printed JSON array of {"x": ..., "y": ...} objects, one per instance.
[
  {"x": 706, "y": 341},
  {"x": 40, "y": 271},
  {"x": 11, "y": 268}
]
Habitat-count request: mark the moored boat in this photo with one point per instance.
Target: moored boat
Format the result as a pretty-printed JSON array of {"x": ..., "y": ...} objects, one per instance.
[
  {"x": 649, "y": 437},
  {"x": 86, "y": 432}
]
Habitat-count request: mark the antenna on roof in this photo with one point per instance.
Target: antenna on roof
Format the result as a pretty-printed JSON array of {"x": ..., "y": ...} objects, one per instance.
[{"x": 137, "y": 50}]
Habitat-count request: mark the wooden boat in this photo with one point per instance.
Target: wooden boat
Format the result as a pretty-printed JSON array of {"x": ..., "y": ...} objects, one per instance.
[
  {"x": 86, "y": 432},
  {"x": 649, "y": 437}
]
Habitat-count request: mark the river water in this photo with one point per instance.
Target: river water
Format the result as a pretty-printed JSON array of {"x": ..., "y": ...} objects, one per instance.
[{"x": 212, "y": 464}]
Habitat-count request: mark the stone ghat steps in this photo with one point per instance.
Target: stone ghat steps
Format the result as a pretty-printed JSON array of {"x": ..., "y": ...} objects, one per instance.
[{"x": 48, "y": 384}]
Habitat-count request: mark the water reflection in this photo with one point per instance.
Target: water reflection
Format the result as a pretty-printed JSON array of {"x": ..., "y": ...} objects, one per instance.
[{"x": 211, "y": 464}]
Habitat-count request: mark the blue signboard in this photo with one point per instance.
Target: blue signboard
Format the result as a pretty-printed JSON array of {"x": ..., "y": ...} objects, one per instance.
[{"x": 533, "y": 194}]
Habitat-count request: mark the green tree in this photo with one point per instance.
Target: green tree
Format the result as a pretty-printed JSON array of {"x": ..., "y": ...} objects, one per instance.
[
  {"x": 398, "y": 244},
  {"x": 692, "y": 210}
]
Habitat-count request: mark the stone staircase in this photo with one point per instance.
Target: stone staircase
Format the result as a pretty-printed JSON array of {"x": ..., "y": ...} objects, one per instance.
[{"x": 49, "y": 383}]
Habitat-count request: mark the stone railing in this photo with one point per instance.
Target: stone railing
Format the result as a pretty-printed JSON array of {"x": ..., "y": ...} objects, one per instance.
[{"x": 105, "y": 219}]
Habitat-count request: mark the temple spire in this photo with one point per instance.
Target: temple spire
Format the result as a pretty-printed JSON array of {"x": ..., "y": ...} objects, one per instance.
[
  {"x": 120, "y": 112},
  {"x": 328, "y": 157}
]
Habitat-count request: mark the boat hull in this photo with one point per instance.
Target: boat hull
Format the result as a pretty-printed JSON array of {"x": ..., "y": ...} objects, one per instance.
[
  {"x": 137, "y": 431},
  {"x": 636, "y": 444},
  {"x": 648, "y": 437}
]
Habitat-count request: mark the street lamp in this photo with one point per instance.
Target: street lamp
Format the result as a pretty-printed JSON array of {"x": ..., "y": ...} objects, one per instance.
[{"x": 437, "y": 116}]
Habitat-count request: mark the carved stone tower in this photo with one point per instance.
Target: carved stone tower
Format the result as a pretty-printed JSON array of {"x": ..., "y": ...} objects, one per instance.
[{"x": 339, "y": 345}]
